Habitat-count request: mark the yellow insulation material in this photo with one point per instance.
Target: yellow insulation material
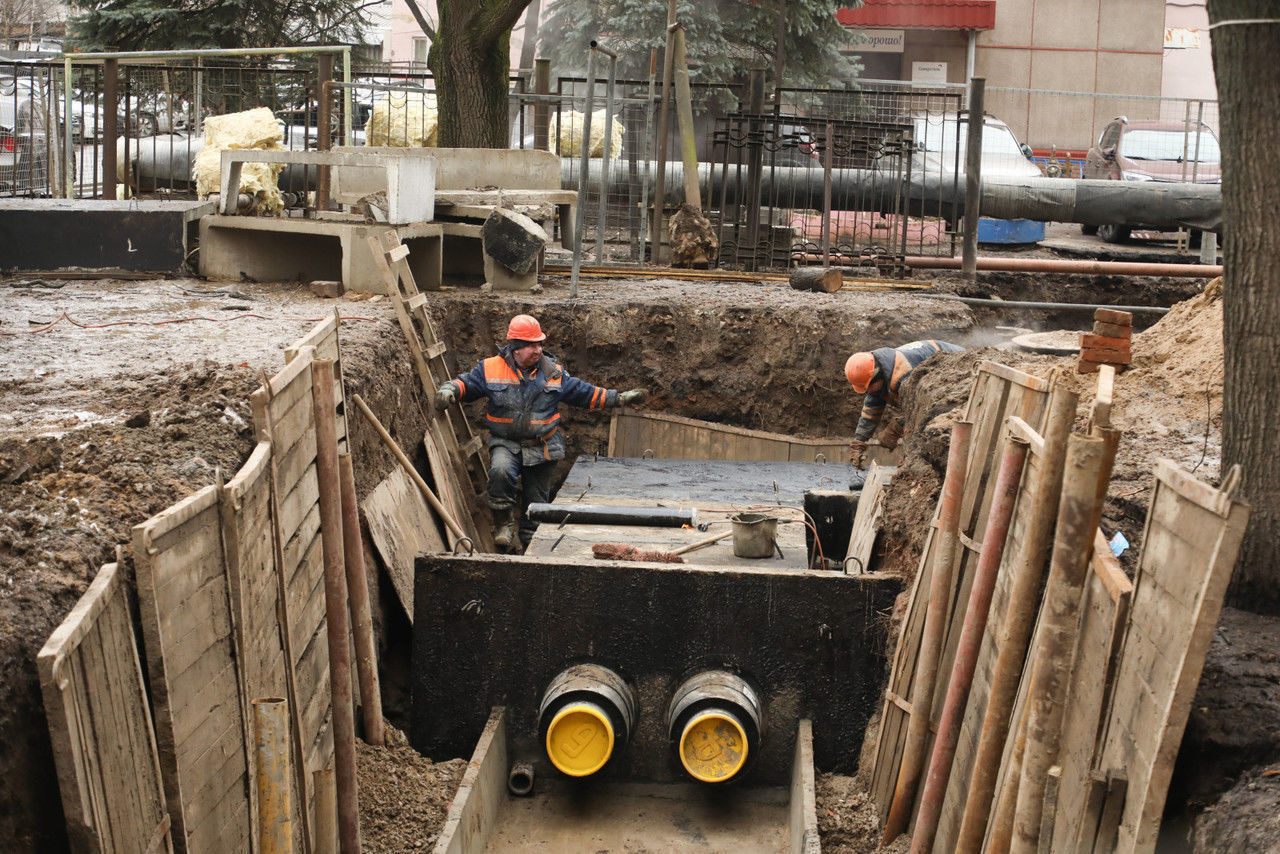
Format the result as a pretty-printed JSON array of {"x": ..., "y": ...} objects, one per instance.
[
  {"x": 403, "y": 120},
  {"x": 254, "y": 128},
  {"x": 570, "y": 135}
]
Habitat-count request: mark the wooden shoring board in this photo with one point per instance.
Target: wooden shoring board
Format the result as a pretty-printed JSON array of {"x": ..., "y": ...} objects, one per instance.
[
  {"x": 980, "y": 688},
  {"x": 248, "y": 536},
  {"x": 448, "y": 490},
  {"x": 323, "y": 337},
  {"x": 401, "y": 526},
  {"x": 1189, "y": 546},
  {"x": 997, "y": 392},
  {"x": 104, "y": 747},
  {"x": 201, "y": 732},
  {"x": 631, "y": 434},
  {"x": 866, "y": 521},
  {"x": 284, "y": 406},
  {"x": 468, "y": 458},
  {"x": 1104, "y": 612}
]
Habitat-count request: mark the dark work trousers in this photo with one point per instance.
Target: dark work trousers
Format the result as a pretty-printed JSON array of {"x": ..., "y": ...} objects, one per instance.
[{"x": 509, "y": 478}]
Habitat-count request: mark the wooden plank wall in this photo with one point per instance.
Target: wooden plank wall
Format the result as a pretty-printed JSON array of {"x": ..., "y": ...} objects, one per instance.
[
  {"x": 103, "y": 745},
  {"x": 185, "y": 607},
  {"x": 631, "y": 434},
  {"x": 997, "y": 393},
  {"x": 249, "y": 541},
  {"x": 323, "y": 339},
  {"x": 283, "y": 415},
  {"x": 1189, "y": 547}
]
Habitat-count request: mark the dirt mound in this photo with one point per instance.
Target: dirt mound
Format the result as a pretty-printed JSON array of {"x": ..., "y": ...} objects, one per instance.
[
  {"x": 1182, "y": 354},
  {"x": 404, "y": 796},
  {"x": 1245, "y": 818}
]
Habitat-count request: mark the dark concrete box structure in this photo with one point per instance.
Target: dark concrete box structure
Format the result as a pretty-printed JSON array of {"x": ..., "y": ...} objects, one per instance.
[{"x": 492, "y": 630}]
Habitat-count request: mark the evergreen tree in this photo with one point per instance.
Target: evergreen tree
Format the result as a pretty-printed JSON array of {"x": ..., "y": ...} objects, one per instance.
[
  {"x": 725, "y": 38},
  {"x": 193, "y": 24}
]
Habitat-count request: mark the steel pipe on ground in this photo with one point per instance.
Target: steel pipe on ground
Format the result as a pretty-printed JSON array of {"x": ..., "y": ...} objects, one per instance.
[
  {"x": 1053, "y": 265},
  {"x": 604, "y": 514}
]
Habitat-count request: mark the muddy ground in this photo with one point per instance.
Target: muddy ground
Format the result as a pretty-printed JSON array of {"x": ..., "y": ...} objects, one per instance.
[{"x": 103, "y": 425}]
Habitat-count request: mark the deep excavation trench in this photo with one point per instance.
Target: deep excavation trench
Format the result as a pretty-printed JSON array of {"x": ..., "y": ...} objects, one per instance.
[{"x": 759, "y": 356}]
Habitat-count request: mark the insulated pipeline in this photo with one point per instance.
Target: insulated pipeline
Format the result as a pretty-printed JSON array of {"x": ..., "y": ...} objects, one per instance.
[
  {"x": 1051, "y": 306},
  {"x": 604, "y": 514}
]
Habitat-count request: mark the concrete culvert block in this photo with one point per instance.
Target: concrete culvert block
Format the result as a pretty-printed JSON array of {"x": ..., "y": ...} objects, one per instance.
[{"x": 513, "y": 240}]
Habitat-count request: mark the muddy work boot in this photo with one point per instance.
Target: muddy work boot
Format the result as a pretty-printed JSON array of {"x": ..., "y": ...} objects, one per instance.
[{"x": 504, "y": 529}]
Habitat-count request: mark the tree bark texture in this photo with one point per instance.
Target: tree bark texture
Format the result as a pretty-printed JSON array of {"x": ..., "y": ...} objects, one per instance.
[
  {"x": 1249, "y": 101},
  {"x": 470, "y": 60}
]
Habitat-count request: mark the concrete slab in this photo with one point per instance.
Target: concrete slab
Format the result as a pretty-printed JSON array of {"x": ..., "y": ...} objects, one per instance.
[
  {"x": 53, "y": 234},
  {"x": 494, "y": 630},
  {"x": 269, "y": 249}
]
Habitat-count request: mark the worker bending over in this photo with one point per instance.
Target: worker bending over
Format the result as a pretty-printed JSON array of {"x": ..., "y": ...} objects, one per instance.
[
  {"x": 525, "y": 388},
  {"x": 878, "y": 375}
]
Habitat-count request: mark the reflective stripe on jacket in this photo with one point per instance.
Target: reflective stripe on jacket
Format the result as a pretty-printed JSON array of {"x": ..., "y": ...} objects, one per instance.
[
  {"x": 523, "y": 412},
  {"x": 893, "y": 365}
]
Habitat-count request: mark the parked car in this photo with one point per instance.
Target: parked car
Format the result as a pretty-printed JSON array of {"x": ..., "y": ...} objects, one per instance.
[
  {"x": 942, "y": 140},
  {"x": 1151, "y": 150}
]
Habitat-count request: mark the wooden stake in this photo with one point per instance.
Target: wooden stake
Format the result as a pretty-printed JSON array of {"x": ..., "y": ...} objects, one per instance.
[{"x": 932, "y": 639}]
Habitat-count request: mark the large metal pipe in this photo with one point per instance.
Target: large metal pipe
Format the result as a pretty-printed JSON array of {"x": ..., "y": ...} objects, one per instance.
[
  {"x": 970, "y": 644},
  {"x": 973, "y": 175},
  {"x": 1155, "y": 204},
  {"x": 944, "y": 556},
  {"x": 271, "y": 753}
]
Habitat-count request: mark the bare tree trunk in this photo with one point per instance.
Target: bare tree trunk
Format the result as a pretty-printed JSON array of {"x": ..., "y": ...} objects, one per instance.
[
  {"x": 471, "y": 71},
  {"x": 1249, "y": 101}
]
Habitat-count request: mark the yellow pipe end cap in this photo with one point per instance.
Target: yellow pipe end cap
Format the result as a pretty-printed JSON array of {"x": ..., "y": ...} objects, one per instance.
[
  {"x": 713, "y": 746},
  {"x": 580, "y": 739}
]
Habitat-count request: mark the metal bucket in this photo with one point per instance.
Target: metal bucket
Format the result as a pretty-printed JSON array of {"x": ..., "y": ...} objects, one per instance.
[{"x": 754, "y": 534}]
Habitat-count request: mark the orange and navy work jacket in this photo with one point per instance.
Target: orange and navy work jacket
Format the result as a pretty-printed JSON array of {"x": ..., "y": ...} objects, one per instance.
[
  {"x": 893, "y": 365},
  {"x": 524, "y": 405}
]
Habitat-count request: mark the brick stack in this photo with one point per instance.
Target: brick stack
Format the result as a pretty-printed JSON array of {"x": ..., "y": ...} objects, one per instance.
[{"x": 1109, "y": 343}]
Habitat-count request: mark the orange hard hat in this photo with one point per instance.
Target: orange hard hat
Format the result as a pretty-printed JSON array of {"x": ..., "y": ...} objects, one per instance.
[
  {"x": 859, "y": 369},
  {"x": 524, "y": 327}
]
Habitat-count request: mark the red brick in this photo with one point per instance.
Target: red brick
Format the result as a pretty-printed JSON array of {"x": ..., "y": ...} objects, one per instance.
[
  {"x": 1107, "y": 357},
  {"x": 1100, "y": 342},
  {"x": 1110, "y": 315},
  {"x": 1112, "y": 330}
]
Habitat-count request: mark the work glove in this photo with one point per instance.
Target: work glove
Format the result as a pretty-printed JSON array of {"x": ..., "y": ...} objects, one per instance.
[
  {"x": 857, "y": 453},
  {"x": 636, "y": 395},
  {"x": 445, "y": 395}
]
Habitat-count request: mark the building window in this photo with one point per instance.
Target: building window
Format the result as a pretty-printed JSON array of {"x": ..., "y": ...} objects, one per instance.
[{"x": 420, "y": 46}]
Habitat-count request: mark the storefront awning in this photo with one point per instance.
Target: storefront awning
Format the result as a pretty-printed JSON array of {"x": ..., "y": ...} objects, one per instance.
[{"x": 921, "y": 14}]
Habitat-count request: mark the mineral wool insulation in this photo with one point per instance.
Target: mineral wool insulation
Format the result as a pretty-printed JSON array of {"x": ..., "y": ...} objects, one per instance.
[
  {"x": 567, "y": 127},
  {"x": 403, "y": 120},
  {"x": 254, "y": 128}
]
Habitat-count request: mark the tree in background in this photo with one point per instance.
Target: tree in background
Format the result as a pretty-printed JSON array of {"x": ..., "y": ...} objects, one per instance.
[
  {"x": 470, "y": 59},
  {"x": 194, "y": 24},
  {"x": 1248, "y": 103},
  {"x": 725, "y": 38}
]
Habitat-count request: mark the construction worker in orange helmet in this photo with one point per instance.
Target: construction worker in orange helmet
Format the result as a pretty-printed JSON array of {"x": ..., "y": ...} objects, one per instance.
[
  {"x": 878, "y": 375},
  {"x": 525, "y": 387}
]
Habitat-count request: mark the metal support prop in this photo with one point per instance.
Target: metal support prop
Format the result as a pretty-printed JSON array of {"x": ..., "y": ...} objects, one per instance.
[
  {"x": 324, "y": 117},
  {"x": 326, "y": 841},
  {"x": 346, "y": 96},
  {"x": 664, "y": 124},
  {"x": 827, "y": 156},
  {"x": 335, "y": 601},
  {"x": 271, "y": 752},
  {"x": 994, "y": 536},
  {"x": 361, "y": 612},
  {"x": 973, "y": 177},
  {"x": 780, "y": 56},
  {"x": 644, "y": 184},
  {"x": 110, "y": 125},
  {"x": 541, "y": 109},
  {"x": 69, "y": 151},
  {"x": 944, "y": 558},
  {"x": 1026, "y": 575},
  {"x": 755, "y": 160},
  {"x": 605, "y": 151},
  {"x": 584, "y": 173}
]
